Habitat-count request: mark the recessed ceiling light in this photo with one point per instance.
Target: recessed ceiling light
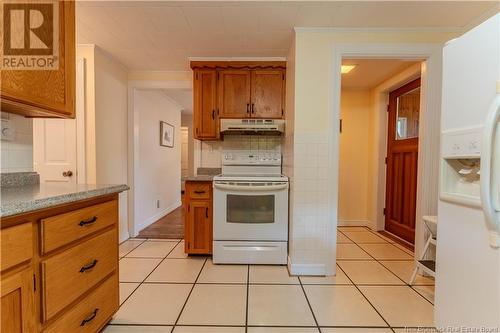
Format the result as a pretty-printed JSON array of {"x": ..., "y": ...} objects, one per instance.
[{"x": 344, "y": 69}]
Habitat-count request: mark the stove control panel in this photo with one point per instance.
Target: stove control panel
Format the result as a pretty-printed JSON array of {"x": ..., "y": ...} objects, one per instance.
[{"x": 240, "y": 158}]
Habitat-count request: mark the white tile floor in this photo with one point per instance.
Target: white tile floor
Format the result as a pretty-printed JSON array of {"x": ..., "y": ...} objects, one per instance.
[{"x": 163, "y": 290}]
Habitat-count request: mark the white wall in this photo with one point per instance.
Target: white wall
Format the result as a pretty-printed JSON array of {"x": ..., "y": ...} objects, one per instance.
[
  {"x": 111, "y": 127},
  {"x": 17, "y": 155},
  {"x": 315, "y": 143},
  {"x": 355, "y": 108},
  {"x": 187, "y": 121},
  {"x": 158, "y": 168}
]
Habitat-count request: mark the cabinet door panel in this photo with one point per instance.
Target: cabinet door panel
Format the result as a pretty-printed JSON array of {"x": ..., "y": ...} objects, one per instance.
[
  {"x": 268, "y": 93},
  {"x": 205, "y": 103},
  {"x": 17, "y": 304},
  {"x": 234, "y": 93},
  {"x": 43, "y": 93},
  {"x": 200, "y": 227}
]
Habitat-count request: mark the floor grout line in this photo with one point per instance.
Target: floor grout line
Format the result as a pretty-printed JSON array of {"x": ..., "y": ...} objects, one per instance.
[
  {"x": 248, "y": 292},
  {"x": 309, "y": 304},
  {"x": 140, "y": 283},
  {"x": 248, "y": 284},
  {"x": 366, "y": 298},
  {"x": 189, "y": 295}
]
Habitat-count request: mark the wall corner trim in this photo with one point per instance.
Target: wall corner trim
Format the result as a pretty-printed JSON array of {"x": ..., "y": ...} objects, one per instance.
[{"x": 306, "y": 269}]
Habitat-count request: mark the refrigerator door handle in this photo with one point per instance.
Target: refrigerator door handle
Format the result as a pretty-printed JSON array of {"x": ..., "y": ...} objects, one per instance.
[{"x": 489, "y": 173}]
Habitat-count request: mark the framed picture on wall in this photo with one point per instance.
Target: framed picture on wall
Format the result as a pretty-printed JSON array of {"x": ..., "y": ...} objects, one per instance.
[{"x": 166, "y": 134}]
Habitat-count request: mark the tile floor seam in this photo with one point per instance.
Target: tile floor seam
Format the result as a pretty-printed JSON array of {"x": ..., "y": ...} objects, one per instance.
[
  {"x": 141, "y": 283},
  {"x": 309, "y": 304},
  {"x": 378, "y": 260},
  {"x": 366, "y": 298},
  {"x": 248, "y": 291},
  {"x": 130, "y": 250},
  {"x": 189, "y": 294}
]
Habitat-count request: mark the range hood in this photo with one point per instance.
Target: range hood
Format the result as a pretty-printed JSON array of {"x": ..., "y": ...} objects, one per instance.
[{"x": 252, "y": 126}]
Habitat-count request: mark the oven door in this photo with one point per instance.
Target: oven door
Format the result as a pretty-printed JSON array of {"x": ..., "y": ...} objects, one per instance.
[{"x": 250, "y": 210}]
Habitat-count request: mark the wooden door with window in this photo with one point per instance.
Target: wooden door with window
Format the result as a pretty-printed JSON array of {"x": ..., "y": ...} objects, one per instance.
[{"x": 402, "y": 159}]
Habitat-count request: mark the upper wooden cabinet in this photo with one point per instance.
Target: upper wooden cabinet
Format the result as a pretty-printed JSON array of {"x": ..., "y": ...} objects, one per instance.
[
  {"x": 46, "y": 93},
  {"x": 234, "y": 93},
  {"x": 205, "y": 116},
  {"x": 268, "y": 94},
  {"x": 240, "y": 89}
]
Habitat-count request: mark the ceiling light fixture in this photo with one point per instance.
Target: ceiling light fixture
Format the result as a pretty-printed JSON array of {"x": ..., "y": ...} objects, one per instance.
[{"x": 344, "y": 69}]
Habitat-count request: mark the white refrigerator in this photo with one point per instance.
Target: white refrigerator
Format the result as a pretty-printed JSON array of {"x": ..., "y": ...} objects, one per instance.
[{"x": 468, "y": 254}]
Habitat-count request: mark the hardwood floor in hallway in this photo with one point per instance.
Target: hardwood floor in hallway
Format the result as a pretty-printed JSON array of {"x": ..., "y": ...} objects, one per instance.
[{"x": 170, "y": 226}]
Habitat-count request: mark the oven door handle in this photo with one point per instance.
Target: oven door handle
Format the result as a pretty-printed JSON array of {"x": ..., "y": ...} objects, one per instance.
[{"x": 246, "y": 188}]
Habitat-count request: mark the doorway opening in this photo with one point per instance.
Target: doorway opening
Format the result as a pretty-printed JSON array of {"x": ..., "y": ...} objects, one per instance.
[{"x": 379, "y": 148}]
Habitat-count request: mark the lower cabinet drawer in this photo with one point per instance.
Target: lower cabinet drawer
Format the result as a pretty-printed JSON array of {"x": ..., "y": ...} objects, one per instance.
[
  {"x": 67, "y": 275},
  {"x": 92, "y": 312}
]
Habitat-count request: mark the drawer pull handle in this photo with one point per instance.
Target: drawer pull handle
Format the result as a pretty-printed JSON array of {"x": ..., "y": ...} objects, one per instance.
[
  {"x": 89, "y": 266},
  {"x": 199, "y": 192},
  {"x": 90, "y": 318},
  {"x": 88, "y": 221}
]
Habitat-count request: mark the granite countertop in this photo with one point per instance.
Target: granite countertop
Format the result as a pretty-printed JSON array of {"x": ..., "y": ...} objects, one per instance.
[
  {"x": 199, "y": 178},
  {"x": 204, "y": 175},
  {"x": 28, "y": 198}
]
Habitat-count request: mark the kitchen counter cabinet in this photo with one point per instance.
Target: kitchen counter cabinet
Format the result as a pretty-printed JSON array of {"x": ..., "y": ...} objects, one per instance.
[
  {"x": 59, "y": 264},
  {"x": 198, "y": 225}
]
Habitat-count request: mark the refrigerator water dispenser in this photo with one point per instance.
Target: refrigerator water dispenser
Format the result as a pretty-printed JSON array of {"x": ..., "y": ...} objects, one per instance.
[{"x": 461, "y": 166}]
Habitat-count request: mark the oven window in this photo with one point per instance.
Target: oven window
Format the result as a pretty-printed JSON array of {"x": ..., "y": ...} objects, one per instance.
[{"x": 250, "y": 208}]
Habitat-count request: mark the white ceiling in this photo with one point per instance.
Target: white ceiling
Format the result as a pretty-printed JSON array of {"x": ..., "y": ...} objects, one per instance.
[
  {"x": 183, "y": 97},
  {"x": 369, "y": 73},
  {"x": 161, "y": 35}
]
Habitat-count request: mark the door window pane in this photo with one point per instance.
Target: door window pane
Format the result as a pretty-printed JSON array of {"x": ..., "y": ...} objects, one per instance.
[
  {"x": 250, "y": 208},
  {"x": 408, "y": 109}
]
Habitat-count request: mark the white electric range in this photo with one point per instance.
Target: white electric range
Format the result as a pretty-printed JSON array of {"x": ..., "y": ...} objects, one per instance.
[{"x": 250, "y": 210}]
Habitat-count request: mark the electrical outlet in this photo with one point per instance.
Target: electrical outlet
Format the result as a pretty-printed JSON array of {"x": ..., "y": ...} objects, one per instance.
[{"x": 157, "y": 203}]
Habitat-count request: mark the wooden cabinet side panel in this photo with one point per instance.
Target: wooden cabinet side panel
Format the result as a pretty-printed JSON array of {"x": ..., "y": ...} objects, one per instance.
[{"x": 46, "y": 92}]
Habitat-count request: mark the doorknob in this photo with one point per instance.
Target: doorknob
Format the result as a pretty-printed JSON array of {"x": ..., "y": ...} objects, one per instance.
[{"x": 68, "y": 173}]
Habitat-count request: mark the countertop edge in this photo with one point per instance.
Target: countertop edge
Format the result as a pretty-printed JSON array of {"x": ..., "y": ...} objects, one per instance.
[{"x": 29, "y": 206}]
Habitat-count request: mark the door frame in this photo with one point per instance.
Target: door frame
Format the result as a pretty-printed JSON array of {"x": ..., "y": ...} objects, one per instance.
[
  {"x": 133, "y": 138},
  {"x": 428, "y": 160},
  {"x": 391, "y": 132}
]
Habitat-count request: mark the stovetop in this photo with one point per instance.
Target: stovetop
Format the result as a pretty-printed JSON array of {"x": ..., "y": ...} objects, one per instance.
[{"x": 251, "y": 177}]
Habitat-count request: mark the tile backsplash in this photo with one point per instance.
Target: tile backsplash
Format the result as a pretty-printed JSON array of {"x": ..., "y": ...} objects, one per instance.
[
  {"x": 211, "y": 151},
  {"x": 17, "y": 151}
]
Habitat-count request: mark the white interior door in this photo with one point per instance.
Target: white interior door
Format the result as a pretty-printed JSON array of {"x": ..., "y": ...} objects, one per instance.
[
  {"x": 54, "y": 150},
  {"x": 184, "y": 152}
]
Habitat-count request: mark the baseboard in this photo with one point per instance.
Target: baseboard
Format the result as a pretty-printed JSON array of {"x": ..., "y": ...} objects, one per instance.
[
  {"x": 356, "y": 223},
  {"x": 124, "y": 235},
  {"x": 306, "y": 269},
  {"x": 146, "y": 223}
]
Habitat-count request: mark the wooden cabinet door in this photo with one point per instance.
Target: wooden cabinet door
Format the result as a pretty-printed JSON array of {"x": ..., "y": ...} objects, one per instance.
[
  {"x": 205, "y": 105},
  {"x": 234, "y": 93},
  {"x": 46, "y": 93},
  {"x": 17, "y": 302},
  {"x": 268, "y": 90},
  {"x": 199, "y": 237}
]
